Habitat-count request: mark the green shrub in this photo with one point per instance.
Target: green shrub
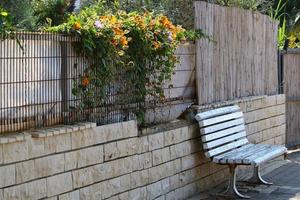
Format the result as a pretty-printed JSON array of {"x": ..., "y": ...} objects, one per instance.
[
  {"x": 5, "y": 21},
  {"x": 51, "y": 12},
  {"x": 21, "y": 13}
]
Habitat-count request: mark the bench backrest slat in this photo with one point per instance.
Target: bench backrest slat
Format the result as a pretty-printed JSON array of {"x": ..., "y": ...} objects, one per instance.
[
  {"x": 223, "y": 133},
  {"x": 222, "y": 130},
  {"x": 224, "y": 140},
  {"x": 223, "y": 118},
  {"x": 221, "y": 126},
  {"x": 226, "y": 147},
  {"x": 216, "y": 112}
]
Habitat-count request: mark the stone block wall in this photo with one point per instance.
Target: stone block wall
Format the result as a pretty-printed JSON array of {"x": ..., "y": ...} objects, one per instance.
[{"x": 112, "y": 162}]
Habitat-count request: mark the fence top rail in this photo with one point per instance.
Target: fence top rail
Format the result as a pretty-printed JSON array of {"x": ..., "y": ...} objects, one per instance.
[
  {"x": 24, "y": 35},
  {"x": 291, "y": 51}
]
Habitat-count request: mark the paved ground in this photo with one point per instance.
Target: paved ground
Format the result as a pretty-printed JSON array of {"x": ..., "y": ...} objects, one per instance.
[{"x": 286, "y": 185}]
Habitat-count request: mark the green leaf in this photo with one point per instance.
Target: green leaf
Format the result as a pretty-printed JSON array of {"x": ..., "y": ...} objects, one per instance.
[{"x": 3, "y": 13}]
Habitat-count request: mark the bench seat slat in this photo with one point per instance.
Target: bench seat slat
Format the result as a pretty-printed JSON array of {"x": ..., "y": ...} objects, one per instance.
[
  {"x": 219, "y": 158},
  {"x": 216, "y": 112},
  {"x": 219, "y": 119},
  {"x": 238, "y": 158},
  {"x": 269, "y": 156},
  {"x": 222, "y": 126},
  {"x": 226, "y": 147},
  {"x": 223, "y": 133},
  {"x": 224, "y": 140},
  {"x": 264, "y": 155}
]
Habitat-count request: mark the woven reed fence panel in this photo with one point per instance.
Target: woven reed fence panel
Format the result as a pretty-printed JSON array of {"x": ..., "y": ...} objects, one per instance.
[
  {"x": 291, "y": 71},
  {"x": 242, "y": 59}
]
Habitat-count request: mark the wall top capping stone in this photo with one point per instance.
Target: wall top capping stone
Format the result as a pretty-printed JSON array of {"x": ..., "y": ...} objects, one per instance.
[
  {"x": 61, "y": 129},
  {"x": 227, "y": 103},
  {"x": 13, "y": 137},
  {"x": 44, "y": 132}
]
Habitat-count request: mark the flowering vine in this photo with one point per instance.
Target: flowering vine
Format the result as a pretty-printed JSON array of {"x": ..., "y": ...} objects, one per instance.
[{"x": 140, "y": 46}]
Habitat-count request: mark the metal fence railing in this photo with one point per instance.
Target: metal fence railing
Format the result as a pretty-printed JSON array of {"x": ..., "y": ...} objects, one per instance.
[{"x": 37, "y": 75}]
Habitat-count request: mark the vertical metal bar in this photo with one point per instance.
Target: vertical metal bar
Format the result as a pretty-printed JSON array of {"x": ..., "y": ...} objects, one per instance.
[
  {"x": 64, "y": 82},
  {"x": 280, "y": 72}
]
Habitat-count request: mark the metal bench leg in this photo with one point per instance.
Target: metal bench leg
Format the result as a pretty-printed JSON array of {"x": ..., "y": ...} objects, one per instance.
[
  {"x": 231, "y": 190},
  {"x": 256, "y": 177}
]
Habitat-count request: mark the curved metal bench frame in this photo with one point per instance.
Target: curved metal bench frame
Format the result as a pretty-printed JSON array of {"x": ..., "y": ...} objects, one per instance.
[{"x": 224, "y": 142}]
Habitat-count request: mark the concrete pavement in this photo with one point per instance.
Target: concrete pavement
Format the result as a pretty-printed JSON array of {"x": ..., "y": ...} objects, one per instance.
[{"x": 286, "y": 185}]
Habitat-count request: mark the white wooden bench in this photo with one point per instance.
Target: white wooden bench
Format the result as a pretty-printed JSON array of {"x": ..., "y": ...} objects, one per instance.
[{"x": 224, "y": 141}]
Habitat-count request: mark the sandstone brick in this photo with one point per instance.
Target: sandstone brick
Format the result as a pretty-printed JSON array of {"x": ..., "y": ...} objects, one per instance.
[
  {"x": 93, "y": 192},
  {"x": 260, "y": 103},
  {"x": 279, "y": 140},
  {"x": 25, "y": 171},
  {"x": 115, "y": 186},
  {"x": 71, "y": 160},
  {"x": 1, "y": 154},
  {"x": 160, "y": 198},
  {"x": 280, "y": 99},
  {"x": 49, "y": 165},
  {"x": 143, "y": 144},
  {"x": 176, "y": 136},
  {"x": 58, "y": 143},
  {"x": 154, "y": 190},
  {"x": 264, "y": 113},
  {"x": 171, "y": 196},
  {"x": 156, "y": 141},
  {"x": 159, "y": 172},
  {"x": 281, "y": 130},
  {"x": 90, "y": 156},
  {"x": 83, "y": 138},
  {"x": 97, "y": 173},
  {"x": 129, "y": 129},
  {"x": 175, "y": 181},
  {"x": 51, "y": 198},
  {"x": 265, "y": 124},
  {"x": 70, "y": 196},
  {"x": 139, "y": 193},
  {"x": 34, "y": 190},
  {"x": 15, "y": 152},
  {"x": 188, "y": 190},
  {"x": 269, "y": 133},
  {"x": 256, "y": 137},
  {"x": 12, "y": 193},
  {"x": 193, "y": 160},
  {"x": 31, "y": 190},
  {"x": 83, "y": 177},
  {"x": 203, "y": 170},
  {"x": 36, "y": 147},
  {"x": 117, "y": 197},
  {"x": 115, "y": 131},
  {"x": 166, "y": 187},
  {"x": 144, "y": 160},
  {"x": 185, "y": 148},
  {"x": 122, "y": 148},
  {"x": 139, "y": 178},
  {"x": 7, "y": 174},
  {"x": 269, "y": 141},
  {"x": 175, "y": 166},
  {"x": 106, "y": 133},
  {"x": 59, "y": 184},
  {"x": 161, "y": 156},
  {"x": 123, "y": 196}
]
